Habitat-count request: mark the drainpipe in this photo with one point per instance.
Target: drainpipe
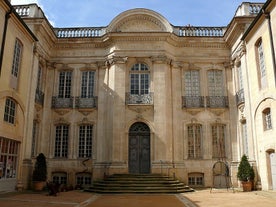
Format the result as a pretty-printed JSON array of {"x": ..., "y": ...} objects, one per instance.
[
  {"x": 267, "y": 16},
  {"x": 7, "y": 16}
]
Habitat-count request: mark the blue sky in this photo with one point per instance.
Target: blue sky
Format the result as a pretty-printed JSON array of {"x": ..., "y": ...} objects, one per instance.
[{"x": 93, "y": 13}]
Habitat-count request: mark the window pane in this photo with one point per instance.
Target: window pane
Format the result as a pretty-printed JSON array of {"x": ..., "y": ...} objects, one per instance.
[
  {"x": 65, "y": 84},
  {"x": 61, "y": 141},
  {"x": 192, "y": 83},
  {"x": 9, "y": 115}
]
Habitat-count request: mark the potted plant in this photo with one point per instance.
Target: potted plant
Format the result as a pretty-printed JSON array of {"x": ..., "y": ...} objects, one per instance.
[
  {"x": 40, "y": 172},
  {"x": 246, "y": 174}
]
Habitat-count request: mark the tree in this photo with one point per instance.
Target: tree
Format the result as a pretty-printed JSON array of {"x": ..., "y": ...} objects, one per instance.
[
  {"x": 40, "y": 170},
  {"x": 245, "y": 170}
]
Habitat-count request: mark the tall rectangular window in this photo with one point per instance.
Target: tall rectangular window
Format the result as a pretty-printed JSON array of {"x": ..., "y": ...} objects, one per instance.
[
  {"x": 10, "y": 109},
  {"x": 245, "y": 138},
  {"x": 215, "y": 83},
  {"x": 61, "y": 141},
  {"x": 139, "y": 79},
  {"x": 34, "y": 137},
  {"x": 87, "y": 84},
  {"x": 194, "y": 141},
  {"x": 65, "y": 78},
  {"x": 240, "y": 78},
  {"x": 261, "y": 60},
  {"x": 39, "y": 79},
  {"x": 218, "y": 137},
  {"x": 267, "y": 119},
  {"x": 85, "y": 140},
  {"x": 192, "y": 83},
  {"x": 16, "y": 58}
]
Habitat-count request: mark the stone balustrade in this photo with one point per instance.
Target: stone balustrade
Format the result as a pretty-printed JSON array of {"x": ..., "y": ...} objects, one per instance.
[
  {"x": 32, "y": 10},
  {"x": 201, "y": 31},
  {"x": 79, "y": 32}
]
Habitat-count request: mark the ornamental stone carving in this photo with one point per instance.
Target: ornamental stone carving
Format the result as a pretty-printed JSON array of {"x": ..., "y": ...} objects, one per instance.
[{"x": 139, "y": 20}]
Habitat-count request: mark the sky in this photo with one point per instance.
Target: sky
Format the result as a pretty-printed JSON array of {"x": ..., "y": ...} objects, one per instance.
[{"x": 96, "y": 13}]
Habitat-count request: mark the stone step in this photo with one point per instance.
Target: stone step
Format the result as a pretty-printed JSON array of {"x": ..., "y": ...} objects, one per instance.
[{"x": 129, "y": 183}]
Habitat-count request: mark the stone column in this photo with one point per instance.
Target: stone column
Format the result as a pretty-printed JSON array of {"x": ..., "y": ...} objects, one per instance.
[{"x": 162, "y": 110}]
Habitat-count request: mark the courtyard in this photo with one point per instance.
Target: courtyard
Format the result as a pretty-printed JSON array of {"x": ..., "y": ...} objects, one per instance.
[{"x": 198, "y": 198}]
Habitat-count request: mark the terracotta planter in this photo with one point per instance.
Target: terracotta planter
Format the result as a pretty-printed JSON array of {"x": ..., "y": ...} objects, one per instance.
[
  {"x": 247, "y": 186},
  {"x": 38, "y": 185}
]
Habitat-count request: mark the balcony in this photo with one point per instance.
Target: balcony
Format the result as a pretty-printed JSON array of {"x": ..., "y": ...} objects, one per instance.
[
  {"x": 136, "y": 99},
  {"x": 39, "y": 97},
  {"x": 240, "y": 97},
  {"x": 217, "y": 102},
  {"x": 86, "y": 103},
  {"x": 193, "y": 102},
  {"x": 61, "y": 103}
]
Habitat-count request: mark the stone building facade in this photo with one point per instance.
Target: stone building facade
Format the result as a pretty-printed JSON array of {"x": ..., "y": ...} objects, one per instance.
[{"x": 143, "y": 96}]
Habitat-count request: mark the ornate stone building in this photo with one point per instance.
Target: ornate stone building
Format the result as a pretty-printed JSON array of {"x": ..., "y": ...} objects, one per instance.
[{"x": 140, "y": 96}]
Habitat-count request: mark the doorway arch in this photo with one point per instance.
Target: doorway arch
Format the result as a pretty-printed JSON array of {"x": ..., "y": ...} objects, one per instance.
[{"x": 139, "y": 149}]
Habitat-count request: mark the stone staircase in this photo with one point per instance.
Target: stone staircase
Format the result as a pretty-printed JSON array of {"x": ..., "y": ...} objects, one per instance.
[{"x": 145, "y": 183}]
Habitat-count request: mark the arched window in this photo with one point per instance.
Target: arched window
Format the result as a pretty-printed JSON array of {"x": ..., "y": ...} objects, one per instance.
[{"x": 139, "y": 79}]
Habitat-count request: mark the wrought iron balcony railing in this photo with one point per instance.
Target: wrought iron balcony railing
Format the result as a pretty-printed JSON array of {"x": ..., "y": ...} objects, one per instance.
[
  {"x": 193, "y": 102},
  {"x": 58, "y": 102},
  {"x": 217, "y": 102},
  {"x": 240, "y": 97},
  {"x": 39, "y": 97},
  {"x": 146, "y": 99},
  {"x": 84, "y": 103}
]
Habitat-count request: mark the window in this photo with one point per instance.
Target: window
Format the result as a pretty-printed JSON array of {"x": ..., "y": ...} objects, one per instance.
[
  {"x": 16, "y": 58},
  {"x": 240, "y": 77},
  {"x": 83, "y": 179},
  {"x": 192, "y": 83},
  {"x": 261, "y": 63},
  {"x": 267, "y": 119},
  {"x": 17, "y": 53},
  {"x": 8, "y": 158},
  {"x": 85, "y": 140},
  {"x": 60, "y": 178},
  {"x": 87, "y": 84},
  {"x": 34, "y": 138},
  {"x": 10, "y": 109},
  {"x": 139, "y": 79},
  {"x": 194, "y": 141},
  {"x": 39, "y": 79},
  {"x": 245, "y": 138},
  {"x": 61, "y": 142},
  {"x": 65, "y": 84},
  {"x": 196, "y": 179},
  {"x": 218, "y": 137},
  {"x": 215, "y": 83}
]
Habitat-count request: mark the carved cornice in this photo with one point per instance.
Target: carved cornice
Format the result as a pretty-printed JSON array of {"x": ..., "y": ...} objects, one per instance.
[
  {"x": 162, "y": 59},
  {"x": 116, "y": 60}
]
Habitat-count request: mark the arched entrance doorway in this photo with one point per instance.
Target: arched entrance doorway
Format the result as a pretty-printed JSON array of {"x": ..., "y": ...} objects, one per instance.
[{"x": 139, "y": 149}]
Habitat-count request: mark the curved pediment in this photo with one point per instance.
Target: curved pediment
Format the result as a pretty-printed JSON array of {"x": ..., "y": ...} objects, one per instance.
[{"x": 139, "y": 20}]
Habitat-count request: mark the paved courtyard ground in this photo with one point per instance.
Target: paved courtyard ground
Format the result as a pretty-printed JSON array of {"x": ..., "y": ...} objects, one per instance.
[{"x": 200, "y": 198}]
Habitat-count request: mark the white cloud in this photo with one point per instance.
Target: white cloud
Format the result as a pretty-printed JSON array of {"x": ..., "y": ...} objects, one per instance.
[{"x": 18, "y": 2}]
